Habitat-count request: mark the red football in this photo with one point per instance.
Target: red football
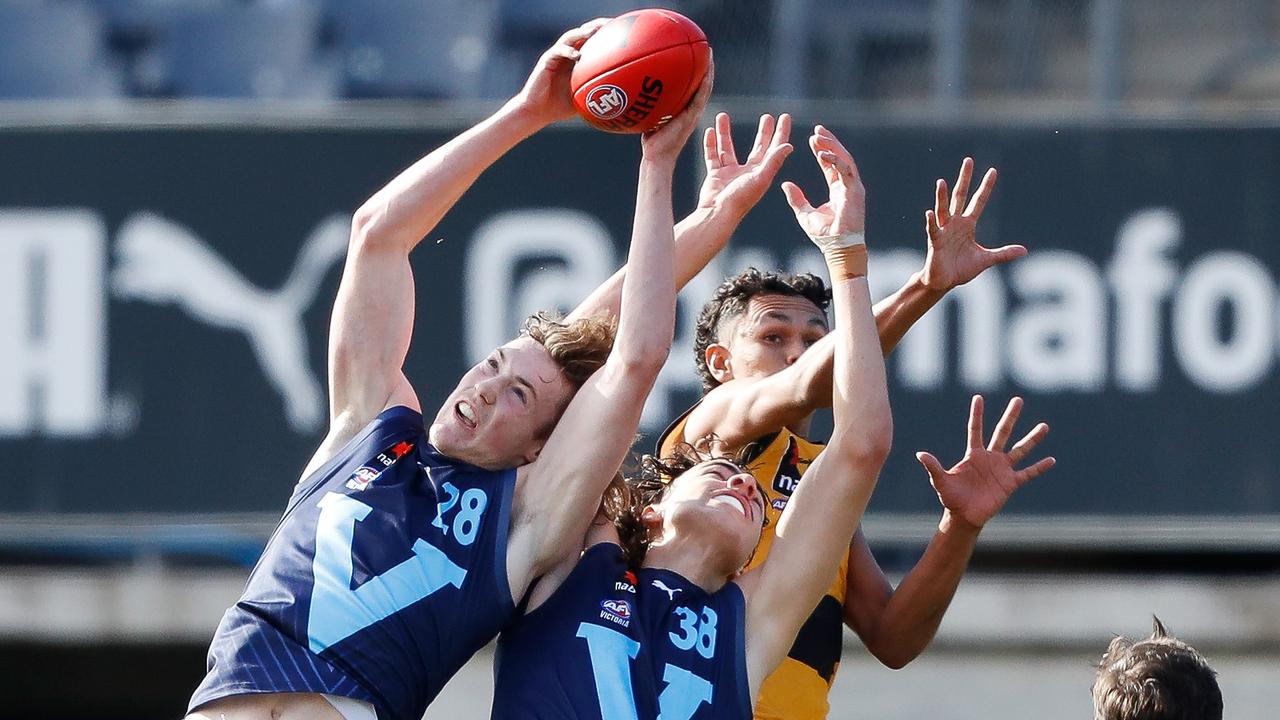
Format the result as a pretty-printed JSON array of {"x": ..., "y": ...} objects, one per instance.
[{"x": 639, "y": 70}]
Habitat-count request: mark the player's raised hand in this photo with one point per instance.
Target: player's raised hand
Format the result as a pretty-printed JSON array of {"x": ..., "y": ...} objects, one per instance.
[
  {"x": 846, "y": 208},
  {"x": 546, "y": 95},
  {"x": 737, "y": 187},
  {"x": 954, "y": 255},
  {"x": 977, "y": 487},
  {"x": 667, "y": 140}
]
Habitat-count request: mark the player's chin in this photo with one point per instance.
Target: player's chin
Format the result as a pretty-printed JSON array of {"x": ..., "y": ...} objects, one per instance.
[
  {"x": 732, "y": 534},
  {"x": 448, "y": 437}
]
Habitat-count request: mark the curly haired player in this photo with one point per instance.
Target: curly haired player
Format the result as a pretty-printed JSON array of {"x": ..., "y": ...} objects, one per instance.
[
  {"x": 765, "y": 357},
  {"x": 685, "y": 635}
]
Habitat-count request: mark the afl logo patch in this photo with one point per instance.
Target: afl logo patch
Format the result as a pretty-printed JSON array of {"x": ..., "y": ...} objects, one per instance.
[
  {"x": 616, "y": 611},
  {"x": 606, "y": 101}
]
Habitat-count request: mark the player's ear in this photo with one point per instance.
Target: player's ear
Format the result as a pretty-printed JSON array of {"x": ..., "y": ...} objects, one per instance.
[
  {"x": 531, "y": 455},
  {"x": 719, "y": 362}
]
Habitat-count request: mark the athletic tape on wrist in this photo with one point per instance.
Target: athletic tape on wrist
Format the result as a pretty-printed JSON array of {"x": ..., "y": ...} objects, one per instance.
[
  {"x": 843, "y": 240},
  {"x": 846, "y": 263}
]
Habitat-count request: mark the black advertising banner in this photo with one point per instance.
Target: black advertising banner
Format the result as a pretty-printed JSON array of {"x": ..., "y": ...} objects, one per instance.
[{"x": 165, "y": 295}]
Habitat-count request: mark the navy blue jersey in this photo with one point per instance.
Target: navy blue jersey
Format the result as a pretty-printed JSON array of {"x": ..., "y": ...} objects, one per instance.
[
  {"x": 616, "y": 644},
  {"x": 386, "y": 573}
]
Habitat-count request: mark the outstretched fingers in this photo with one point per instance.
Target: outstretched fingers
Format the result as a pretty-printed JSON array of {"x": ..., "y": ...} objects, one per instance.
[
  {"x": 779, "y": 145},
  {"x": 781, "y": 131},
  {"x": 961, "y": 193},
  {"x": 931, "y": 225},
  {"x": 1028, "y": 474},
  {"x": 724, "y": 140},
  {"x": 1004, "y": 254},
  {"x": 1028, "y": 443},
  {"x": 940, "y": 208},
  {"x": 830, "y": 166},
  {"x": 980, "y": 198},
  {"x": 1004, "y": 428},
  {"x": 931, "y": 466},
  {"x": 764, "y": 132},
  {"x": 975, "y": 422},
  {"x": 796, "y": 198},
  {"x": 829, "y": 141},
  {"x": 773, "y": 160},
  {"x": 710, "y": 149}
]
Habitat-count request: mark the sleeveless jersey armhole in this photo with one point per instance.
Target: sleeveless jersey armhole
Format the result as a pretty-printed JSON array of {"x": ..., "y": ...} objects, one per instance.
[
  {"x": 592, "y": 558},
  {"x": 306, "y": 486}
]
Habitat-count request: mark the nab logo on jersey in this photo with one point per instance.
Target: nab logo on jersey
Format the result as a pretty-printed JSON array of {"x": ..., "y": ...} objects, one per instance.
[
  {"x": 627, "y": 583},
  {"x": 606, "y": 102},
  {"x": 373, "y": 469},
  {"x": 788, "y": 477}
]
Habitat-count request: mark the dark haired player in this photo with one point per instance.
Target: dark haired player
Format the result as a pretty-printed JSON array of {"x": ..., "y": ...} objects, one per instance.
[
  {"x": 766, "y": 360},
  {"x": 405, "y": 546},
  {"x": 684, "y": 635}
]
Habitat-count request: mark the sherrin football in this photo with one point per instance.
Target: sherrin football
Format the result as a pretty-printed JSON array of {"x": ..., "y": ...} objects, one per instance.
[{"x": 639, "y": 70}]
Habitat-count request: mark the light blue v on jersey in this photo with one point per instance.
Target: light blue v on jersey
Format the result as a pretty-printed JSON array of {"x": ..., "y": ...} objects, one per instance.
[{"x": 385, "y": 575}]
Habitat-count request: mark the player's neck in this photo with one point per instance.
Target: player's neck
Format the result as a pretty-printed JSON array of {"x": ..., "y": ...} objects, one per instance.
[{"x": 694, "y": 561}]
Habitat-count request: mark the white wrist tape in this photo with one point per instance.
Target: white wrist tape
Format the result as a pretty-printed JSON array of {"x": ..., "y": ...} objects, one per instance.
[{"x": 839, "y": 242}]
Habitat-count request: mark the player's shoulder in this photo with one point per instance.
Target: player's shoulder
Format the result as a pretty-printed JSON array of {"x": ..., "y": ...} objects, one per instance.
[{"x": 673, "y": 435}]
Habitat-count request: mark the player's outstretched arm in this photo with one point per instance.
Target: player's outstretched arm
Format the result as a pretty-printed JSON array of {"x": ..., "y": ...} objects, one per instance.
[
  {"x": 373, "y": 315},
  {"x": 813, "y": 533},
  {"x": 896, "y": 626},
  {"x": 557, "y": 495},
  {"x": 742, "y": 410},
  {"x": 728, "y": 193},
  {"x": 952, "y": 259}
]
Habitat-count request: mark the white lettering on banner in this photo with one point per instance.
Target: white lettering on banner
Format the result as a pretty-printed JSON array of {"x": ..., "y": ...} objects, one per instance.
[
  {"x": 1057, "y": 340},
  {"x": 1042, "y": 323},
  {"x": 1216, "y": 281},
  {"x": 1144, "y": 241},
  {"x": 52, "y": 323},
  {"x": 574, "y": 254}
]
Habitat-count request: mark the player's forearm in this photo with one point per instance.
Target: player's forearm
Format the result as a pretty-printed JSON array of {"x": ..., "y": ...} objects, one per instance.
[
  {"x": 914, "y": 612},
  {"x": 860, "y": 397},
  {"x": 646, "y": 320},
  {"x": 698, "y": 237},
  {"x": 407, "y": 208},
  {"x": 898, "y": 312}
]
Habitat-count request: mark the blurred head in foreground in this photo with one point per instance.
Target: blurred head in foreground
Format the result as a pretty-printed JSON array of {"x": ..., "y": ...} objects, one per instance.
[{"x": 1159, "y": 678}]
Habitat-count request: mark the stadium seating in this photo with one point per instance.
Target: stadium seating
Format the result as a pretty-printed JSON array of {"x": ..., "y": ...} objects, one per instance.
[
  {"x": 415, "y": 48},
  {"x": 262, "y": 50},
  {"x": 135, "y": 23},
  {"x": 53, "y": 51},
  {"x": 848, "y": 30}
]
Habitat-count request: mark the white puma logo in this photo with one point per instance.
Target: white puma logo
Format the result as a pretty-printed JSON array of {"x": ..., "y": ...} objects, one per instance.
[
  {"x": 163, "y": 262},
  {"x": 671, "y": 592}
]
